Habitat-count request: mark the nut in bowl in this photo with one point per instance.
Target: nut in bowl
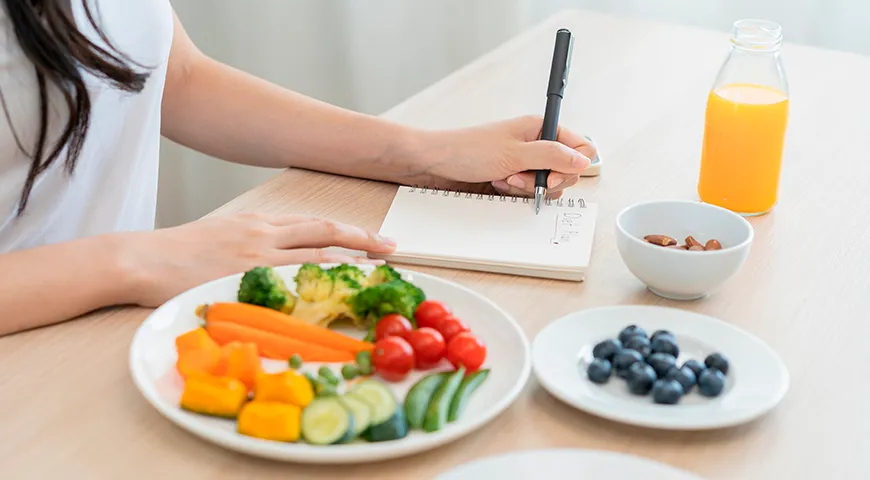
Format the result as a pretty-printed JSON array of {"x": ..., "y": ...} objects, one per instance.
[{"x": 682, "y": 249}]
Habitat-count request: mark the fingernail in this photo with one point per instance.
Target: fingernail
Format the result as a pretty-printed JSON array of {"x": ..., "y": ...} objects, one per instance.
[
  {"x": 580, "y": 161},
  {"x": 500, "y": 184},
  {"x": 387, "y": 241},
  {"x": 516, "y": 181}
]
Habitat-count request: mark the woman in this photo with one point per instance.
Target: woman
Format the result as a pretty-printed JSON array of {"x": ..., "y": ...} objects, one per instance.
[{"x": 87, "y": 90}]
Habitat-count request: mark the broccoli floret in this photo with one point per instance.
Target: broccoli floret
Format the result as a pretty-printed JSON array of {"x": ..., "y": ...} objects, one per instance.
[
  {"x": 396, "y": 296},
  {"x": 383, "y": 274},
  {"x": 344, "y": 287},
  {"x": 262, "y": 286},
  {"x": 348, "y": 271},
  {"x": 313, "y": 284}
]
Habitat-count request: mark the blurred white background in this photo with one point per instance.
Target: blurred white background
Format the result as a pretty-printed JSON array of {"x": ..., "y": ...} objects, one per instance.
[{"x": 368, "y": 55}]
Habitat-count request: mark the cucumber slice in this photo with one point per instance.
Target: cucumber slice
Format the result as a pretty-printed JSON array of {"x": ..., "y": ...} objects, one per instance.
[
  {"x": 378, "y": 397},
  {"x": 360, "y": 410},
  {"x": 439, "y": 406},
  {"x": 419, "y": 396},
  {"x": 463, "y": 393},
  {"x": 325, "y": 421},
  {"x": 394, "y": 428}
]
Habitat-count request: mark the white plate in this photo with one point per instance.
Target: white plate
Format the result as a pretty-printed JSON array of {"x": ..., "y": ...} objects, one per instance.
[
  {"x": 568, "y": 464},
  {"x": 152, "y": 364},
  {"x": 757, "y": 379}
]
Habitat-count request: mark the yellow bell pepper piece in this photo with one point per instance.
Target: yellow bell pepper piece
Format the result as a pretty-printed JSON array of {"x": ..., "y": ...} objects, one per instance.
[
  {"x": 215, "y": 396},
  {"x": 287, "y": 387},
  {"x": 270, "y": 421}
]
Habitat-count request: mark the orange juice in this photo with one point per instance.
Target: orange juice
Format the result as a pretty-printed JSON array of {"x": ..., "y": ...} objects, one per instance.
[{"x": 743, "y": 145}]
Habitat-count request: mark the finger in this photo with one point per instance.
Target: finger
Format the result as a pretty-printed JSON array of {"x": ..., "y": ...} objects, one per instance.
[
  {"x": 326, "y": 233},
  {"x": 548, "y": 155},
  {"x": 555, "y": 181},
  {"x": 291, "y": 219},
  {"x": 507, "y": 190},
  {"x": 319, "y": 255},
  {"x": 533, "y": 126}
]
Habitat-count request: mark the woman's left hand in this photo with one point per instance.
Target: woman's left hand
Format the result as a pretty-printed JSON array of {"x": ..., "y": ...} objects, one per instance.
[{"x": 505, "y": 155}]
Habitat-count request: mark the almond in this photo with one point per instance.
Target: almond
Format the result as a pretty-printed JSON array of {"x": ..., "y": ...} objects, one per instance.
[
  {"x": 696, "y": 248},
  {"x": 691, "y": 242},
  {"x": 713, "y": 244},
  {"x": 661, "y": 240}
]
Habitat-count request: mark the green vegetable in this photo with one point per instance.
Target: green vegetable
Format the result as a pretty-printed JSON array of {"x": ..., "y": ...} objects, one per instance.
[
  {"x": 382, "y": 274},
  {"x": 326, "y": 421},
  {"x": 360, "y": 410},
  {"x": 463, "y": 393},
  {"x": 439, "y": 406},
  {"x": 418, "y": 398},
  {"x": 325, "y": 389},
  {"x": 396, "y": 296},
  {"x": 393, "y": 428},
  {"x": 321, "y": 387},
  {"x": 262, "y": 286},
  {"x": 350, "y": 272},
  {"x": 313, "y": 284},
  {"x": 378, "y": 397},
  {"x": 349, "y": 371},
  {"x": 295, "y": 361},
  {"x": 326, "y": 374},
  {"x": 364, "y": 362}
]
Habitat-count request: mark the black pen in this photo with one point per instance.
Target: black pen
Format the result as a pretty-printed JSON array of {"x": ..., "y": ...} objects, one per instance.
[{"x": 555, "y": 91}]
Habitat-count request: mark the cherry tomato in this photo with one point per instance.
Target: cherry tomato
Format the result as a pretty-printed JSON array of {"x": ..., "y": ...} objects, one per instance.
[
  {"x": 466, "y": 349},
  {"x": 451, "y": 326},
  {"x": 430, "y": 313},
  {"x": 393, "y": 325},
  {"x": 393, "y": 358},
  {"x": 429, "y": 347}
]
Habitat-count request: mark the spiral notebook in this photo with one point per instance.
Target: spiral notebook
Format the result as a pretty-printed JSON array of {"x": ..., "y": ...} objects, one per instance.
[{"x": 491, "y": 233}]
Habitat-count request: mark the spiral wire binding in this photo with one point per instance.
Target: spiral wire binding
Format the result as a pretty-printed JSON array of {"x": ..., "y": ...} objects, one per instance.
[{"x": 571, "y": 203}]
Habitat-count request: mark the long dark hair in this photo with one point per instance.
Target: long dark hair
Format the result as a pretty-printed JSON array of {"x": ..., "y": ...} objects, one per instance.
[{"x": 47, "y": 33}]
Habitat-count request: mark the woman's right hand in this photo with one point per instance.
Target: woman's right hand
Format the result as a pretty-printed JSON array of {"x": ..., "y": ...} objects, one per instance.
[{"x": 169, "y": 261}]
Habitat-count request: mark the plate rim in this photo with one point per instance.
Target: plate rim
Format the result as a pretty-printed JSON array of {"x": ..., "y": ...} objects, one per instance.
[
  {"x": 748, "y": 416},
  {"x": 336, "y": 455}
]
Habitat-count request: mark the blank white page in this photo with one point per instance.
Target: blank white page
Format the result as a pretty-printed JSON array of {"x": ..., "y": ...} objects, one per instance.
[{"x": 473, "y": 229}]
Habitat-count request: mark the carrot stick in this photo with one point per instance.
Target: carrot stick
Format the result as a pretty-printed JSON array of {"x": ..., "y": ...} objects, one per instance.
[
  {"x": 273, "y": 321},
  {"x": 272, "y": 345}
]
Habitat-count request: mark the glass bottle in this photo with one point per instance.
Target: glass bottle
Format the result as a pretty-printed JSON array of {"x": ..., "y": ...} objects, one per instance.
[{"x": 745, "y": 123}]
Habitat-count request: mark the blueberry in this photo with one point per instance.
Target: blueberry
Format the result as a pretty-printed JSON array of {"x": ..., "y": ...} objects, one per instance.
[
  {"x": 717, "y": 361},
  {"x": 684, "y": 375},
  {"x": 599, "y": 370},
  {"x": 665, "y": 344},
  {"x": 696, "y": 367},
  {"x": 638, "y": 344},
  {"x": 640, "y": 378},
  {"x": 667, "y": 392},
  {"x": 631, "y": 331},
  {"x": 607, "y": 349},
  {"x": 661, "y": 363},
  {"x": 662, "y": 333},
  {"x": 711, "y": 382},
  {"x": 625, "y": 359}
]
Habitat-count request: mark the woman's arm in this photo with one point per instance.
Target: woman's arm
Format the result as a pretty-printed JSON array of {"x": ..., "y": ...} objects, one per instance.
[
  {"x": 50, "y": 284},
  {"x": 229, "y": 114}
]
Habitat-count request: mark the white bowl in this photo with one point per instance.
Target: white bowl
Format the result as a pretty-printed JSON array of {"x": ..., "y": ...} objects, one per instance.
[{"x": 681, "y": 274}]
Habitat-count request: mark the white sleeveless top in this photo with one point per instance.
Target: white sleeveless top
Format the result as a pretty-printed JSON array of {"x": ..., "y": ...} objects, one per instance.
[{"x": 114, "y": 186}]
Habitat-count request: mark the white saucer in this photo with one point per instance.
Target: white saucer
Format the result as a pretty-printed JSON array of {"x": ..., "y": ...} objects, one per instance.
[
  {"x": 565, "y": 464},
  {"x": 756, "y": 381}
]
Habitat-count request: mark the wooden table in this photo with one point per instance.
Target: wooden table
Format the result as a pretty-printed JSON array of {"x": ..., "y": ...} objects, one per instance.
[{"x": 70, "y": 410}]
